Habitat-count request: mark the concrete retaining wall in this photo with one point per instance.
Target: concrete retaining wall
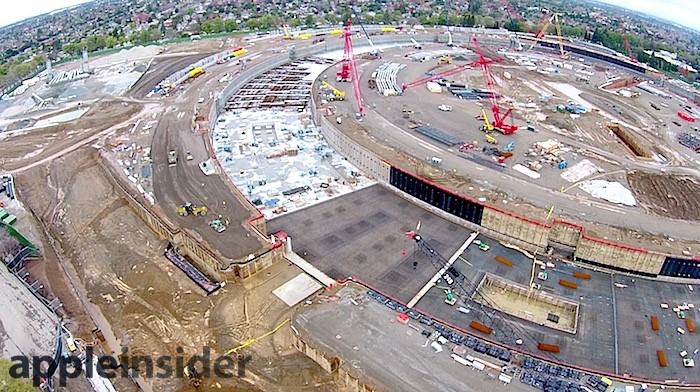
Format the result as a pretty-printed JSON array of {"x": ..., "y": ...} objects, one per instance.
[
  {"x": 209, "y": 261},
  {"x": 331, "y": 365}
]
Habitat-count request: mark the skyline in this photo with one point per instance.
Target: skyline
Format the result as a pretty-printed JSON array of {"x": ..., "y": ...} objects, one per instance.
[
  {"x": 675, "y": 11},
  {"x": 32, "y": 8}
]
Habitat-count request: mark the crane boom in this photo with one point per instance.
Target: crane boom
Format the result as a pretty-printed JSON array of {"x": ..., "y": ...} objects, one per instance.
[
  {"x": 512, "y": 12},
  {"x": 439, "y": 75},
  {"x": 336, "y": 92},
  {"x": 505, "y": 328},
  {"x": 498, "y": 119},
  {"x": 373, "y": 51}
]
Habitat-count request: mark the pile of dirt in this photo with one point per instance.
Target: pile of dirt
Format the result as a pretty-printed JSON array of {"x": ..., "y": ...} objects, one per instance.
[{"x": 670, "y": 196}]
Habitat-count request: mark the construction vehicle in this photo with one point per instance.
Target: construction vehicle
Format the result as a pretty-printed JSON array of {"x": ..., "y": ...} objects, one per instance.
[
  {"x": 191, "y": 209},
  {"x": 218, "y": 225},
  {"x": 490, "y": 139},
  {"x": 172, "y": 158},
  {"x": 554, "y": 18},
  {"x": 487, "y": 127},
  {"x": 445, "y": 60},
  {"x": 195, "y": 72},
  {"x": 509, "y": 147},
  {"x": 339, "y": 95},
  {"x": 285, "y": 29},
  {"x": 374, "y": 52},
  {"x": 482, "y": 245},
  {"x": 193, "y": 377}
]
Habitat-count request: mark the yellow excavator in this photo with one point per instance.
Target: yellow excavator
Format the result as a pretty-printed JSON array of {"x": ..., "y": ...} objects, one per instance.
[
  {"x": 190, "y": 209},
  {"x": 445, "y": 60},
  {"x": 339, "y": 95}
]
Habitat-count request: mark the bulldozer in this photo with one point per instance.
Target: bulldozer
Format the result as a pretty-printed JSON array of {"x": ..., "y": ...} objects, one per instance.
[
  {"x": 444, "y": 60},
  {"x": 191, "y": 209}
]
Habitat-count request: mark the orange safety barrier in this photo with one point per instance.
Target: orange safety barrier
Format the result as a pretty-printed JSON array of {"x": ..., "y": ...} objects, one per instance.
[
  {"x": 568, "y": 284},
  {"x": 582, "y": 275},
  {"x": 552, "y": 348},
  {"x": 654, "y": 323},
  {"x": 505, "y": 261},
  {"x": 480, "y": 327},
  {"x": 662, "y": 358},
  {"x": 689, "y": 324}
]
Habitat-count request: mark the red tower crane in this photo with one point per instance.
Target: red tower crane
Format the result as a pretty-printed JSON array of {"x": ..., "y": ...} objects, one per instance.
[
  {"x": 499, "y": 120},
  {"x": 628, "y": 49},
  {"x": 348, "y": 68}
]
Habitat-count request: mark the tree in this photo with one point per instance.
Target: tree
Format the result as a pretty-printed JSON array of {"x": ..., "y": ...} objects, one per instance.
[
  {"x": 310, "y": 21},
  {"x": 7, "y": 383},
  {"x": 474, "y": 6}
]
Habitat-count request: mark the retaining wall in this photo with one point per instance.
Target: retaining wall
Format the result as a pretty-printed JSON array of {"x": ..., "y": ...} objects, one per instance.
[
  {"x": 330, "y": 364},
  {"x": 209, "y": 261}
]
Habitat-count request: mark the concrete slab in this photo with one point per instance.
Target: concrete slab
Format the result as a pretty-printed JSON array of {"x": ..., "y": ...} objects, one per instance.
[
  {"x": 388, "y": 355},
  {"x": 297, "y": 289},
  {"x": 361, "y": 234}
]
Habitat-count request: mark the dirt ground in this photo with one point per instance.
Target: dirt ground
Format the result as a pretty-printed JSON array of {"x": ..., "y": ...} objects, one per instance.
[
  {"x": 669, "y": 196},
  {"x": 151, "y": 306},
  {"x": 15, "y": 151}
]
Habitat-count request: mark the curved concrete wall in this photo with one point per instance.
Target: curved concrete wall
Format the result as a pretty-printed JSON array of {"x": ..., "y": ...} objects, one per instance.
[{"x": 500, "y": 224}]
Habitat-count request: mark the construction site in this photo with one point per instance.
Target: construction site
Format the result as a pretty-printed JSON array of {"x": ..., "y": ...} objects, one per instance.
[{"x": 508, "y": 203}]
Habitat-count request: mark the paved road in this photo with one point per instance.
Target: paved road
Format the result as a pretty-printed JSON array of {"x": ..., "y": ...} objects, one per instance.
[
  {"x": 388, "y": 355},
  {"x": 185, "y": 182}
]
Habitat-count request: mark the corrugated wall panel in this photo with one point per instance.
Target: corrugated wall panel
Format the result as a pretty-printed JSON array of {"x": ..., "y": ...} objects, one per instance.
[
  {"x": 435, "y": 196},
  {"x": 681, "y": 268}
]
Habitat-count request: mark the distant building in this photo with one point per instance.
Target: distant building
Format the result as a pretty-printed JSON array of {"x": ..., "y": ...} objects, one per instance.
[
  {"x": 140, "y": 18},
  {"x": 672, "y": 58}
]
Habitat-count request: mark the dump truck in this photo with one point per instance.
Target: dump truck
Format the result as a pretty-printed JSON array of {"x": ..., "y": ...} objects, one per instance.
[{"x": 172, "y": 158}]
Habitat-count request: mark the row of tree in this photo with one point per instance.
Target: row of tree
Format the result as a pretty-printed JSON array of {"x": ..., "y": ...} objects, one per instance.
[{"x": 18, "y": 68}]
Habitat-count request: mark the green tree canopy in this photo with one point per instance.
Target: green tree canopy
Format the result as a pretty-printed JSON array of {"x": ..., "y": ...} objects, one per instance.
[{"x": 8, "y": 383}]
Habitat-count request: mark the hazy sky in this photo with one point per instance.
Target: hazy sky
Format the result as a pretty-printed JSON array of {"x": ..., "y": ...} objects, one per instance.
[
  {"x": 24, "y": 9},
  {"x": 683, "y": 12}
]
